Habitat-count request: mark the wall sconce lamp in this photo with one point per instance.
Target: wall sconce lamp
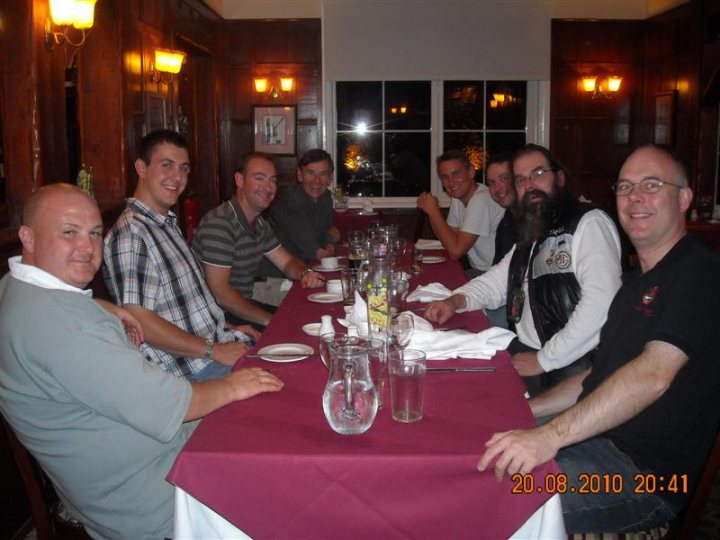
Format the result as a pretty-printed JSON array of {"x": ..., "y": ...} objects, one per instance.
[
  {"x": 601, "y": 87},
  {"x": 402, "y": 109},
  {"x": 167, "y": 61},
  {"x": 286, "y": 85},
  {"x": 80, "y": 14}
]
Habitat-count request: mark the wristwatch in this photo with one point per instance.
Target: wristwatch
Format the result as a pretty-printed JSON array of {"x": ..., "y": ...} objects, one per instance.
[{"x": 209, "y": 345}]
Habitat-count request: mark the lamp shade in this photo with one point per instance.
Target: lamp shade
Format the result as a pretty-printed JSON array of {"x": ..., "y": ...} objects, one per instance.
[
  {"x": 286, "y": 83},
  {"x": 588, "y": 83},
  {"x": 84, "y": 17},
  {"x": 168, "y": 61},
  {"x": 62, "y": 12},
  {"x": 261, "y": 84},
  {"x": 614, "y": 83}
]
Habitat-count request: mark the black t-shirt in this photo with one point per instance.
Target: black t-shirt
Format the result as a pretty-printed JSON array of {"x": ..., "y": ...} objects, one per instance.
[{"x": 677, "y": 302}]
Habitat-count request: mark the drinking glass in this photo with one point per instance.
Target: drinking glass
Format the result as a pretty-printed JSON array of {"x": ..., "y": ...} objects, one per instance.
[
  {"x": 349, "y": 281},
  {"x": 377, "y": 358},
  {"x": 407, "y": 384},
  {"x": 417, "y": 262},
  {"x": 402, "y": 329}
]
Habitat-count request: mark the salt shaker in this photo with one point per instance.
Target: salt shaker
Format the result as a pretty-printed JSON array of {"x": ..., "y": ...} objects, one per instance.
[{"x": 326, "y": 325}]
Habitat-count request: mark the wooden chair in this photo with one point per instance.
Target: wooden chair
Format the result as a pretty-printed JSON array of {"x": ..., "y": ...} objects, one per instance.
[
  {"x": 684, "y": 526},
  {"x": 41, "y": 495}
]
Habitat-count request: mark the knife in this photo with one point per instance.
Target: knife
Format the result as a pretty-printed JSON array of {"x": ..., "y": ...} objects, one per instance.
[
  {"x": 279, "y": 355},
  {"x": 456, "y": 369}
]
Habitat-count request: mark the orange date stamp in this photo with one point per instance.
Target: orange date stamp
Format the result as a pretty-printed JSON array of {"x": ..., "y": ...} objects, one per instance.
[{"x": 599, "y": 483}]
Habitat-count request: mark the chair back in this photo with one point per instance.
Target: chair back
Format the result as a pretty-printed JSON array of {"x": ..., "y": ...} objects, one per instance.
[
  {"x": 37, "y": 487},
  {"x": 685, "y": 525}
]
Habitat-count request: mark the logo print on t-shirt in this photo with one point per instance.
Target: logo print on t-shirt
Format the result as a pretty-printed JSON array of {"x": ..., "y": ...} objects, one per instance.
[{"x": 650, "y": 295}]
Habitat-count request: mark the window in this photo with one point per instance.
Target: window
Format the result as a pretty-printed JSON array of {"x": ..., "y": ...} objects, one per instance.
[
  {"x": 484, "y": 119},
  {"x": 388, "y": 133},
  {"x": 383, "y": 138}
]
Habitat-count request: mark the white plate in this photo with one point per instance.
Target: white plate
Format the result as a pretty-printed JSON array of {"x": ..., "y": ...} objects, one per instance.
[
  {"x": 301, "y": 350},
  {"x": 325, "y": 297},
  {"x": 368, "y": 213},
  {"x": 434, "y": 259},
  {"x": 319, "y": 268},
  {"x": 312, "y": 329}
]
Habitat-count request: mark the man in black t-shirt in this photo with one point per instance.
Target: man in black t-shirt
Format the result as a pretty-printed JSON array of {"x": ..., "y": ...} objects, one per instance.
[{"x": 647, "y": 412}]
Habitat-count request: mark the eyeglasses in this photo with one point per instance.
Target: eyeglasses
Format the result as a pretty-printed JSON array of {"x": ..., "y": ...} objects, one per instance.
[
  {"x": 534, "y": 175},
  {"x": 646, "y": 185}
]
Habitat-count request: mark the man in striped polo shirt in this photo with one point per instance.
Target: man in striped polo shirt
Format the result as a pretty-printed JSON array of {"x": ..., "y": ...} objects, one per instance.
[{"x": 233, "y": 238}]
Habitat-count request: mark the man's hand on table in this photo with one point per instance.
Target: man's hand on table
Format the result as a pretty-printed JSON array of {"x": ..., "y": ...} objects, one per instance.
[
  {"x": 518, "y": 451},
  {"x": 526, "y": 364},
  {"x": 248, "y": 382},
  {"x": 440, "y": 311},
  {"x": 246, "y": 329},
  {"x": 228, "y": 353},
  {"x": 311, "y": 280}
]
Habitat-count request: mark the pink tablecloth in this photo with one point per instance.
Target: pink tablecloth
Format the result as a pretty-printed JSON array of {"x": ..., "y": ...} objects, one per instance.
[{"x": 274, "y": 468}]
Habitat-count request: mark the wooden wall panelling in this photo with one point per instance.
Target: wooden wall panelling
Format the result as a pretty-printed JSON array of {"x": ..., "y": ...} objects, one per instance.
[
  {"x": 589, "y": 136},
  {"x": 102, "y": 119},
  {"x": 672, "y": 53},
  {"x": 269, "y": 48},
  {"x": 20, "y": 118},
  {"x": 708, "y": 124},
  {"x": 196, "y": 31},
  {"x": 305, "y": 42}
]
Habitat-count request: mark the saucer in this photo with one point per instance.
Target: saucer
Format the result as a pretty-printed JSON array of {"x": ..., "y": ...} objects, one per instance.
[
  {"x": 312, "y": 329},
  {"x": 285, "y": 352},
  {"x": 325, "y": 298},
  {"x": 320, "y": 268}
]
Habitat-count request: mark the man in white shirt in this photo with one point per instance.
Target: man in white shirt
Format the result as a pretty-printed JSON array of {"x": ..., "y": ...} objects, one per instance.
[
  {"x": 473, "y": 216},
  {"x": 558, "y": 280}
]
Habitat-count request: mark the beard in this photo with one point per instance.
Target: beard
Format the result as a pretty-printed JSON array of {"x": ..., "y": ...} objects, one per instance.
[{"x": 535, "y": 216}]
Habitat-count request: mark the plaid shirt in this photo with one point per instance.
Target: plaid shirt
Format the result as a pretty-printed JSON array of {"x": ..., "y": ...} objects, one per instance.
[{"x": 148, "y": 263}]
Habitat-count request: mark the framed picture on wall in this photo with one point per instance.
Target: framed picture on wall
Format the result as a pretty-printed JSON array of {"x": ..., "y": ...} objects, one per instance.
[
  {"x": 664, "y": 118},
  {"x": 154, "y": 112},
  {"x": 274, "y": 130}
]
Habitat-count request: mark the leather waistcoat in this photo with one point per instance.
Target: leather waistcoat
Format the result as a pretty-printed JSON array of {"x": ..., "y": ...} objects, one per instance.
[{"x": 553, "y": 288}]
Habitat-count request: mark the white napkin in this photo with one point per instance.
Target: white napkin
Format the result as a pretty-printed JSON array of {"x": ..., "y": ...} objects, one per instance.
[
  {"x": 424, "y": 243},
  {"x": 458, "y": 343},
  {"x": 429, "y": 293},
  {"x": 357, "y": 316}
]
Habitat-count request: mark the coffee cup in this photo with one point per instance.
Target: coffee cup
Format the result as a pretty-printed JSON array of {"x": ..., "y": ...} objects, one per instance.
[
  {"x": 329, "y": 263},
  {"x": 334, "y": 286}
]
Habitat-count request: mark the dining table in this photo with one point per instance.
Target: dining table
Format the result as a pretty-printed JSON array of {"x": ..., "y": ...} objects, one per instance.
[
  {"x": 271, "y": 466},
  {"x": 356, "y": 219}
]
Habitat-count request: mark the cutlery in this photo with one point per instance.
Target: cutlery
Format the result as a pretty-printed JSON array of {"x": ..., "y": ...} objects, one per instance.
[
  {"x": 279, "y": 355},
  {"x": 448, "y": 328},
  {"x": 455, "y": 369}
]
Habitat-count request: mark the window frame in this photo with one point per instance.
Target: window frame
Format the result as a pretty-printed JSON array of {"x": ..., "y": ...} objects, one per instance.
[{"x": 536, "y": 131}]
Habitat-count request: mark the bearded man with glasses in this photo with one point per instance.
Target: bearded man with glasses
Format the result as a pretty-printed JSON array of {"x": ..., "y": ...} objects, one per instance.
[
  {"x": 647, "y": 412},
  {"x": 558, "y": 280}
]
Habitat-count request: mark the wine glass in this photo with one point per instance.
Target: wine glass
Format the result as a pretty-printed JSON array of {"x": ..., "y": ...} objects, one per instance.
[{"x": 402, "y": 328}]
